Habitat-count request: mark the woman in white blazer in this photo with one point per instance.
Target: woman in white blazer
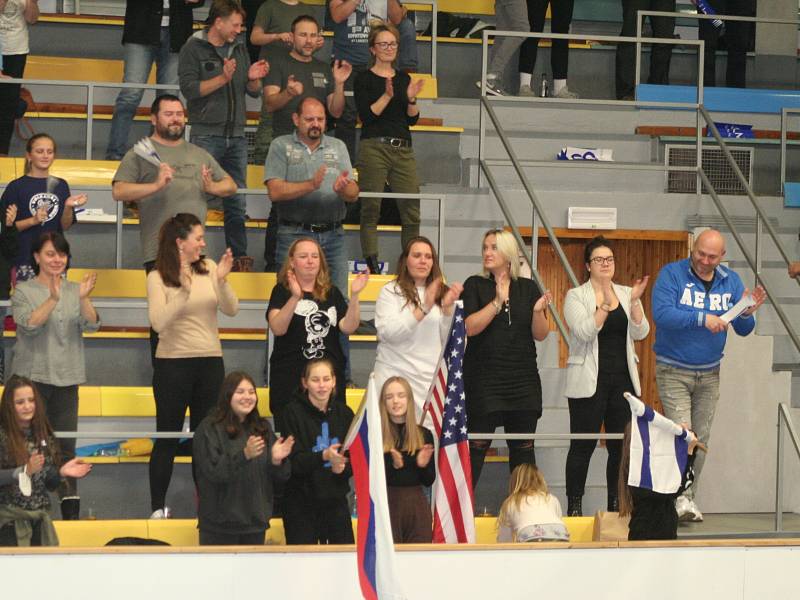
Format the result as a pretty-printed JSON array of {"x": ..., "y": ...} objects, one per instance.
[{"x": 604, "y": 320}]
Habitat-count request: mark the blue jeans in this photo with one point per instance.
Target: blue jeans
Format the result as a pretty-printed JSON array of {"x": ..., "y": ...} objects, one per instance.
[
  {"x": 332, "y": 244},
  {"x": 231, "y": 154},
  {"x": 408, "y": 58},
  {"x": 139, "y": 59}
]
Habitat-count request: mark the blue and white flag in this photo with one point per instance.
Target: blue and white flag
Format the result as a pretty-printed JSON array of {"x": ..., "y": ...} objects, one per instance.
[
  {"x": 704, "y": 7},
  {"x": 659, "y": 449}
]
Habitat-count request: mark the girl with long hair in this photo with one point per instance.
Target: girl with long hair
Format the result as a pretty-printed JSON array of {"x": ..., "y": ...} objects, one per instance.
[
  {"x": 30, "y": 466},
  {"x": 413, "y": 314},
  {"x": 530, "y": 513},
  {"x": 408, "y": 458},
  {"x": 504, "y": 315},
  {"x": 184, "y": 293},
  {"x": 52, "y": 314},
  {"x": 604, "y": 320},
  {"x": 306, "y": 313},
  {"x": 238, "y": 459},
  {"x": 44, "y": 202},
  {"x": 315, "y": 509}
]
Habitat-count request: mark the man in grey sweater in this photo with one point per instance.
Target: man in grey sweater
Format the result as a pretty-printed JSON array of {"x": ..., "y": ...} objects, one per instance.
[{"x": 215, "y": 73}]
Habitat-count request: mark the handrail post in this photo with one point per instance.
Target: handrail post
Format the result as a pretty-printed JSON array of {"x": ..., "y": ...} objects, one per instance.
[
  {"x": 784, "y": 130},
  {"x": 118, "y": 240},
  {"x": 434, "y": 34},
  {"x": 638, "y": 70},
  {"x": 89, "y": 118},
  {"x": 441, "y": 232},
  {"x": 779, "y": 475}
]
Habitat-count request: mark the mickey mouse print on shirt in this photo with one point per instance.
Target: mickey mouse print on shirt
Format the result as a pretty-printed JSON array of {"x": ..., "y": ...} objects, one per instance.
[{"x": 318, "y": 324}]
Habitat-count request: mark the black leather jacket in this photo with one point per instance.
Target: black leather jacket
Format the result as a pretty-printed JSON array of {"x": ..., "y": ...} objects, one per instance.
[{"x": 143, "y": 22}]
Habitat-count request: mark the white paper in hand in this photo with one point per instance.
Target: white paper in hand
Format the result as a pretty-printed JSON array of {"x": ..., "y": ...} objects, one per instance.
[
  {"x": 145, "y": 149},
  {"x": 25, "y": 484},
  {"x": 738, "y": 308}
]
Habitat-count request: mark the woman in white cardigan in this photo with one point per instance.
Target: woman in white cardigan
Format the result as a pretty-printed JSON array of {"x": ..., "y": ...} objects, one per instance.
[
  {"x": 604, "y": 320},
  {"x": 412, "y": 315}
]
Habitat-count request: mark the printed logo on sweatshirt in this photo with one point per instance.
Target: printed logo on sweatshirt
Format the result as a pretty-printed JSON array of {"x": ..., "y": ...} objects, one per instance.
[
  {"x": 697, "y": 299},
  {"x": 47, "y": 200},
  {"x": 318, "y": 324}
]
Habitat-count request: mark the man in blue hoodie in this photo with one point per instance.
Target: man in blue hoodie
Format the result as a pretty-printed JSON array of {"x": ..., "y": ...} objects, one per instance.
[{"x": 689, "y": 298}]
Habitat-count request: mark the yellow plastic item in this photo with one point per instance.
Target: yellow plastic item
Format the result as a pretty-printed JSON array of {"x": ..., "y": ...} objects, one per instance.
[{"x": 136, "y": 447}]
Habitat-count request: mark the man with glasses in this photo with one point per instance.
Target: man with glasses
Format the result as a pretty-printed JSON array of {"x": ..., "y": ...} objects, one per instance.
[{"x": 689, "y": 300}]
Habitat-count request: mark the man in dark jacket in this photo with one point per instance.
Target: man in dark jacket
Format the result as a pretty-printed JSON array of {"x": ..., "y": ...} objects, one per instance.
[
  {"x": 215, "y": 72},
  {"x": 151, "y": 35}
]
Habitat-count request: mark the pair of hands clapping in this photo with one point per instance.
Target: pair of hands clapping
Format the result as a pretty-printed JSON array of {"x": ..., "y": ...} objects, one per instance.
[
  {"x": 412, "y": 91},
  {"x": 86, "y": 286},
  {"x": 74, "y": 468},
  {"x": 256, "y": 446},
  {"x": 423, "y": 457}
]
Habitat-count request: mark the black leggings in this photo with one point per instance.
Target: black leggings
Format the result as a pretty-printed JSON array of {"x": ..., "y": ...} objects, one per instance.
[
  {"x": 13, "y": 66},
  {"x": 313, "y": 521},
  {"x": 179, "y": 383},
  {"x": 608, "y": 406},
  {"x": 8, "y": 535},
  {"x": 561, "y": 18},
  {"x": 513, "y": 421},
  {"x": 61, "y": 406},
  {"x": 210, "y": 538}
]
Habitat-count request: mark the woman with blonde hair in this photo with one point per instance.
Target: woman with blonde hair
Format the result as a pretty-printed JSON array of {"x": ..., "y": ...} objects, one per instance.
[
  {"x": 412, "y": 316},
  {"x": 408, "y": 458},
  {"x": 306, "y": 313},
  {"x": 530, "y": 513},
  {"x": 505, "y": 315}
]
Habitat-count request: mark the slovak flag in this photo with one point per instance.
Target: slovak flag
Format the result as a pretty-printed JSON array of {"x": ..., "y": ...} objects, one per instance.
[
  {"x": 659, "y": 449},
  {"x": 377, "y": 574}
]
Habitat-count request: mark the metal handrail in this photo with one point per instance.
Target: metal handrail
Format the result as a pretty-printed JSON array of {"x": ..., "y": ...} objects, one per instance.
[
  {"x": 785, "y": 112},
  {"x": 784, "y": 419},
  {"x": 546, "y": 436}
]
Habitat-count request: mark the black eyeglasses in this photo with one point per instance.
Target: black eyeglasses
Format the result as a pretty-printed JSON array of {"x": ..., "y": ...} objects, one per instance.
[
  {"x": 386, "y": 45},
  {"x": 602, "y": 260}
]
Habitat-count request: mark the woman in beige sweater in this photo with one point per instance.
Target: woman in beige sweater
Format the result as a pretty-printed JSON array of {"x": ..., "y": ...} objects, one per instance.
[{"x": 184, "y": 292}]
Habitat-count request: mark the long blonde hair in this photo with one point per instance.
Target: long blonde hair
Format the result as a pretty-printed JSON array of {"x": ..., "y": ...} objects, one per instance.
[
  {"x": 526, "y": 480},
  {"x": 322, "y": 284},
  {"x": 412, "y": 440}
]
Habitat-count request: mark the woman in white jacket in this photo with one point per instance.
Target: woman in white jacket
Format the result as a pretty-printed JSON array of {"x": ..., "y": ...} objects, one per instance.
[
  {"x": 412, "y": 315},
  {"x": 604, "y": 320}
]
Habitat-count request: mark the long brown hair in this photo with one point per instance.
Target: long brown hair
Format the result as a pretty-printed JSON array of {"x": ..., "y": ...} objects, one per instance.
[
  {"x": 307, "y": 373},
  {"x": 526, "y": 480},
  {"x": 168, "y": 260},
  {"x": 412, "y": 439},
  {"x": 253, "y": 424},
  {"x": 405, "y": 282},
  {"x": 623, "y": 490},
  {"x": 29, "y": 148},
  {"x": 322, "y": 284},
  {"x": 18, "y": 453}
]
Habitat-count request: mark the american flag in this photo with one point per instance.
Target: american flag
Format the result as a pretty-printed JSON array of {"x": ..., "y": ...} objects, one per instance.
[{"x": 453, "y": 519}]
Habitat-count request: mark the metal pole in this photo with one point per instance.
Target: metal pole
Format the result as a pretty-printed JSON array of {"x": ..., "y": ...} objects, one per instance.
[
  {"x": 698, "y": 117},
  {"x": 118, "y": 240},
  {"x": 779, "y": 476},
  {"x": 434, "y": 30},
  {"x": 757, "y": 277},
  {"x": 89, "y": 118},
  {"x": 515, "y": 232},
  {"x": 441, "y": 233},
  {"x": 638, "y": 75},
  {"x": 531, "y": 194},
  {"x": 481, "y": 119},
  {"x": 784, "y": 129}
]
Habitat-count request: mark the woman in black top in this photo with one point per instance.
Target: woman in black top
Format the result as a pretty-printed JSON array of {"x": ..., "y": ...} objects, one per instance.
[
  {"x": 604, "y": 320},
  {"x": 306, "y": 313},
  {"x": 387, "y": 105},
  {"x": 505, "y": 313},
  {"x": 408, "y": 458}
]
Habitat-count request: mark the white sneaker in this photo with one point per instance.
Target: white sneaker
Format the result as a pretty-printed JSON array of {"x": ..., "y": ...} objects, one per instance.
[
  {"x": 566, "y": 94},
  {"x": 493, "y": 87},
  {"x": 695, "y": 515},
  {"x": 527, "y": 91},
  {"x": 682, "y": 508},
  {"x": 162, "y": 513}
]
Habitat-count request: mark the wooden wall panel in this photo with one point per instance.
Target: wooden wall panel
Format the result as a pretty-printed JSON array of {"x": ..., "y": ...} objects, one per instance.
[{"x": 637, "y": 253}]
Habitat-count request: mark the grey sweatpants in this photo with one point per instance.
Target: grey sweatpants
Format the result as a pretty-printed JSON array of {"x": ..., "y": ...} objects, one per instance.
[{"x": 512, "y": 15}]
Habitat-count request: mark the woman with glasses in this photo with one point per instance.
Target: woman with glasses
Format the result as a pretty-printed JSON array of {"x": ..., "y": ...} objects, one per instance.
[
  {"x": 386, "y": 100},
  {"x": 604, "y": 319},
  {"x": 504, "y": 315}
]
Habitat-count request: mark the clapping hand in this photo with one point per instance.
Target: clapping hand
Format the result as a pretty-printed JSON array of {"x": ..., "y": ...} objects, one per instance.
[
  {"x": 225, "y": 264},
  {"x": 389, "y": 91},
  {"x": 639, "y": 286},
  {"x": 281, "y": 449},
  {"x": 76, "y": 468},
  {"x": 165, "y": 175},
  {"x": 359, "y": 283},
  {"x": 87, "y": 285},
  {"x": 206, "y": 178},
  {"x": 54, "y": 285},
  {"x": 294, "y": 285},
  {"x": 397, "y": 458},
  {"x": 502, "y": 284},
  {"x": 77, "y": 200},
  {"x": 254, "y": 447},
  {"x": 228, "y": 68},
  {"x": 453, "y": 293},
  {"x": 431, "y": 294},
  {"x": 341, "y": 70},
  {"x": 543, "y": 302},
  {"x": 414, "y": 88},
  {"x": 341, "y": 182},
  {"x": 11, "y": 215},
  {"x": 41, "y": 214},
  {"x": 294, "y": 87},
  {"x": 318, "y": 177},
  {"x": 424, "y": 455},
  {"x": 35, "y": 463},
  {"x": 258, "y": 70}
]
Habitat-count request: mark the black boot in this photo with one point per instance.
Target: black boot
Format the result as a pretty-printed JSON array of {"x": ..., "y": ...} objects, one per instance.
[
  {"x": 71, "y": 508},
  {"x": 613, "y": 503},
  {"x": 372, "y": 264},
  {"x": 574, "y": 508}
]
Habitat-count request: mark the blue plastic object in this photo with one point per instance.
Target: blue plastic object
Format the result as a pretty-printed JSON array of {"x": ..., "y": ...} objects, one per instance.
[
  {"x": 722, "y": 99},
  {"x": 791, "y": 194}
]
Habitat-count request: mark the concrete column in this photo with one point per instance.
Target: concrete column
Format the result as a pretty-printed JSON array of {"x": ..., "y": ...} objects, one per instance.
[{"x": 776, "y": 46}]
